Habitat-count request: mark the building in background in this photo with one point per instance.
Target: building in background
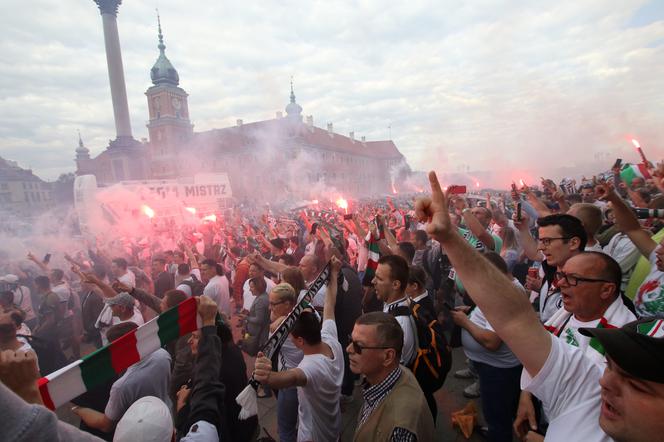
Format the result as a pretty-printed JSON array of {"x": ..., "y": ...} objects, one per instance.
[
  {"x": 264, "y": 159},
  {"x": 22, "y": 193}
]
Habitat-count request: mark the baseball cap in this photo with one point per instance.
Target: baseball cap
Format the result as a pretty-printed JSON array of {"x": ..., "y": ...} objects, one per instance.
[
  {"x": 11, "y": 279},
  {"x": 147, "y": 420},
  {"x": 637, "y": 347},
  {"x": 124, "y": 299}
]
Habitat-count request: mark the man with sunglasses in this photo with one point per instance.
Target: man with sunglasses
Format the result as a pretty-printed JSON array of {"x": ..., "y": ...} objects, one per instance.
[
  {"x": 622, "y": 402},
  {"x": 394, "y": 406},
  {"x": 560, "y": 237}
]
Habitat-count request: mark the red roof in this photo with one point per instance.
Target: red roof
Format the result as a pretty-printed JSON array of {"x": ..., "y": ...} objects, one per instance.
[{"x": 238, "y": 138}]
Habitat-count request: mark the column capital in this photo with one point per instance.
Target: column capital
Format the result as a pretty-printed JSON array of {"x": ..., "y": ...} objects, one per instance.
[{"x": 108, "y": 6}]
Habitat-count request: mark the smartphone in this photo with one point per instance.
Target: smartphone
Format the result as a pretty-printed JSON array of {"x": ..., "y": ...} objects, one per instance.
[
  {"x": 618, "y": 163},
  {"x": 314, "y": 227},
  {"x": 457, "y": 190},
  {"x": 518, "y": 211},
  {"x": 348, "y": 216},
  {"x": 47, "y": 258}
]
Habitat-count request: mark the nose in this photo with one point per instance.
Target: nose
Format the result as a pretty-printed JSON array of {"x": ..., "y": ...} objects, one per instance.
[
  {"x": 349, "y": 349},
  {"x": 609, "y": 380}
]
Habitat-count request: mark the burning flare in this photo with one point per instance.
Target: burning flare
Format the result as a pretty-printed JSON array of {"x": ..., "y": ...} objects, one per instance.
[
  {"x": 636, "y": 143},
  {"x": 191, "y": 210},
  {"x": 343, "y": 204},
  {"x": 147, "y": 210},
  {"x": 394, "y": 189},
  {"x": 212, "y": 218}
]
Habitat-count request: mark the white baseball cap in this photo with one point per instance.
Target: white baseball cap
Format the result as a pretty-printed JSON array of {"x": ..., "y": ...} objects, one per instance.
[{"x": 147, "y": 420}]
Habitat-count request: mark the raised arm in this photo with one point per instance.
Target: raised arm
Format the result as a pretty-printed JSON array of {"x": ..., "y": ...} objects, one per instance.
[
  {"x": 266, "y": 264},
  {"x": 193, "y": 262},
  {"x": 474, "y": 225},
  {"x": 626, "y": 220},
  {"x": 42, "y": 266},
  {"x": 505, "y": 307},
  {"x": 527, "y": 241},
  {"x": 331, "y": 294}
]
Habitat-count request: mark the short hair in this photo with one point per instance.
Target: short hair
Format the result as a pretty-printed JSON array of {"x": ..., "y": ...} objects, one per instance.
[
  {"x": 184, "y": 269},
  {"x": 218, "y": 269},
  {"x": 307, "y": 327},
  {"x": 574, "y": 198},
  {"x": 159, "y": 259},
  {"x": 497, "y": 260},
  {"x": 58, "y": 274},
  {"x": 99, "y": 270},
  {"x": 408, "y": 249},
  {"x": 258, "y": 266},
  {"x": 294, "y": 240},
  {"x": 18, "y": 316},
  {"x": 286, "y": 292},
  {"x": 388, "y": 331},
  {"x": 174, "y": 297},
  {"x": 421, "y": 236},
  {"x": 590, "y": 216},
  {"x": 119, "y": 330},
  {"x": 417, "y": 275},
  {"x": 610, "y": 271},
  {"x": 42, "y": 282},
  {"x": 289, "y": 260},
  {"x": 571, "y": 227},
  {"x": 120, "y": 262},
  {"x": 398, "y": 268},
  {"x": 259, "y": 283},
  {"x": 293, "y": 276}
]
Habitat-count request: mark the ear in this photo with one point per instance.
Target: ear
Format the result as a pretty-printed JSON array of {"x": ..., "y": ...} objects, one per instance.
[
  {"x": 390, "y": 357},
  {"x": 608, "y": 291},
  {"x": 575, "y": 243}
]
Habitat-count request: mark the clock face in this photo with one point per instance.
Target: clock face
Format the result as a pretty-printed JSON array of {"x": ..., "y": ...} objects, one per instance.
[{"x": 177, "y": 104}]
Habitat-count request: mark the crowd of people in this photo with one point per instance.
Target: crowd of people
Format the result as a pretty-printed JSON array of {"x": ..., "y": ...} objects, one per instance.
[{"x": 544, "y": 289}]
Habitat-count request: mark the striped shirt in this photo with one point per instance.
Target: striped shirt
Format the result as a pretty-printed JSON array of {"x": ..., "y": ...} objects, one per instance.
[{"x": 374, "y": 396}]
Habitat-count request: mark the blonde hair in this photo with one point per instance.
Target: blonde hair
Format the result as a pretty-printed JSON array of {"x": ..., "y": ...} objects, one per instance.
[{"x": 286, "y": 292}]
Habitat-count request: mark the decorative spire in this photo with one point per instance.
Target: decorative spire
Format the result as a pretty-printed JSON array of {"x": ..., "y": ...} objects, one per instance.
[
  {"x": 163, "y": 71},
  {"x": 293, "y": 110},
  {"x": 161, "y": 44},
  {"x": 82, "y": 152}
]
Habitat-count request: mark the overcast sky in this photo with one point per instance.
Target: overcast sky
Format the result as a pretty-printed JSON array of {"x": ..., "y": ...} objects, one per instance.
[{"x": 483, "y": 84}]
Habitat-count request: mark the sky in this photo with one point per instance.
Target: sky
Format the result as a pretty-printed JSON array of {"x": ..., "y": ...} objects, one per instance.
[{"x": 458, "y": 85}]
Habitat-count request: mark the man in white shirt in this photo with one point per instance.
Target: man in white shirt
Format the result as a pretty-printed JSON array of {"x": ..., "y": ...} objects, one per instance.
[
  {"x": 623, "y": 250},
  {"x": 320, "y": 373},
  {"x": 390, "y": 282},
  {"x": 22, "y": 298},
  {"x": 123, "y": 310},
  {"x": 216, "y": 288},
  {"x": 122, "y": 273},
  {"x": 187, "y": 277},
  {"x": 626, "y": 400},
  {"x": 649, "y": 299}
]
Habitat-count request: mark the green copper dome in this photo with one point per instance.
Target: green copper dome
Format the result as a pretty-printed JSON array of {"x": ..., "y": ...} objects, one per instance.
[{"x": 163, "y": 71}]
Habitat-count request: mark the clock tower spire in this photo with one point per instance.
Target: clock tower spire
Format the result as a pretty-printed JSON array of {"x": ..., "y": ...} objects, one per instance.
[{"x": 169, "y": 126}]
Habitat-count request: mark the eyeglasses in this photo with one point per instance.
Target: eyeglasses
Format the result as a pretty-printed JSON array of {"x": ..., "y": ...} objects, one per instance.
[
  {"x": 546, "y": 242},
  {"x": 274, "y": 304},
  {"x": 573, "y": 281},
  {"x": 357, "y": 348}
]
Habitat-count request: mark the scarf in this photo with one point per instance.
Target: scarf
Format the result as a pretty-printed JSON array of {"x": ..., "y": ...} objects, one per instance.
[{"x": 615, "y": 316}]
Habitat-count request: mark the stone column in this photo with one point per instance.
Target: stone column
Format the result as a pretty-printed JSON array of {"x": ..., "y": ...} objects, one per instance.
[{"x": 109, "y": 10}]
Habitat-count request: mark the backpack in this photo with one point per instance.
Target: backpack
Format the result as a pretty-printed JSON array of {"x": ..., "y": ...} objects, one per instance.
[
  {"x": 433, "y": 358},
  {"x": 49, "y": 355},
  {"x": 195, "y": 285}
]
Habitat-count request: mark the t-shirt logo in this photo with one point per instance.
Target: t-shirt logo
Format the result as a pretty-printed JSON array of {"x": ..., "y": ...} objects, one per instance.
[
  {"x": 649, "y": 299},
  {"x": 570, "y": 338}
]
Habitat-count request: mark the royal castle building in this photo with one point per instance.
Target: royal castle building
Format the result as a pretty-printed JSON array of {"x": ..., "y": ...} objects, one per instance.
[{"x": 262, "y": 156}]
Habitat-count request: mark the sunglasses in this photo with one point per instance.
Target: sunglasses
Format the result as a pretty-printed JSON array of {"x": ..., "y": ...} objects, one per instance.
[{"x": 357, "y": 348}]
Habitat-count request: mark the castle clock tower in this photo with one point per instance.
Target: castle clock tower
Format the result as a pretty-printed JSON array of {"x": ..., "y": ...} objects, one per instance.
[{"x": 169, "y": 126}]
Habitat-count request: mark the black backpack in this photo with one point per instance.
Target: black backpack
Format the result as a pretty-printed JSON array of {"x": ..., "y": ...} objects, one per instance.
[
  {"x": 49, "y": 355},
  {"x": 433, "y": 358},
  {"x": 195, "y": 285}
]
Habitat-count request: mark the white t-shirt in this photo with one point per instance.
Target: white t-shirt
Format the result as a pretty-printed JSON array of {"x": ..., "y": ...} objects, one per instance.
[
  {"x": 550, "y": 301},
  {"x": 248, "y": 298},
  {"x": 24, "y": 302},
  {"x": 623, "y": 250},
  {"x": 128, "y": 279},
  {"x": 319, "y": 414},
  {"x": 64, "y": 292},
  {"x": 407, "y": 324},
  {"x": 184, "y": 287},
  {"x": 568, "y": 386},
  {"x": 136, "y": 318},
  {"x": 217, "y": 290},
  {"x": 594, "y": 248},
  {"x": 649, "y": 299}
]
